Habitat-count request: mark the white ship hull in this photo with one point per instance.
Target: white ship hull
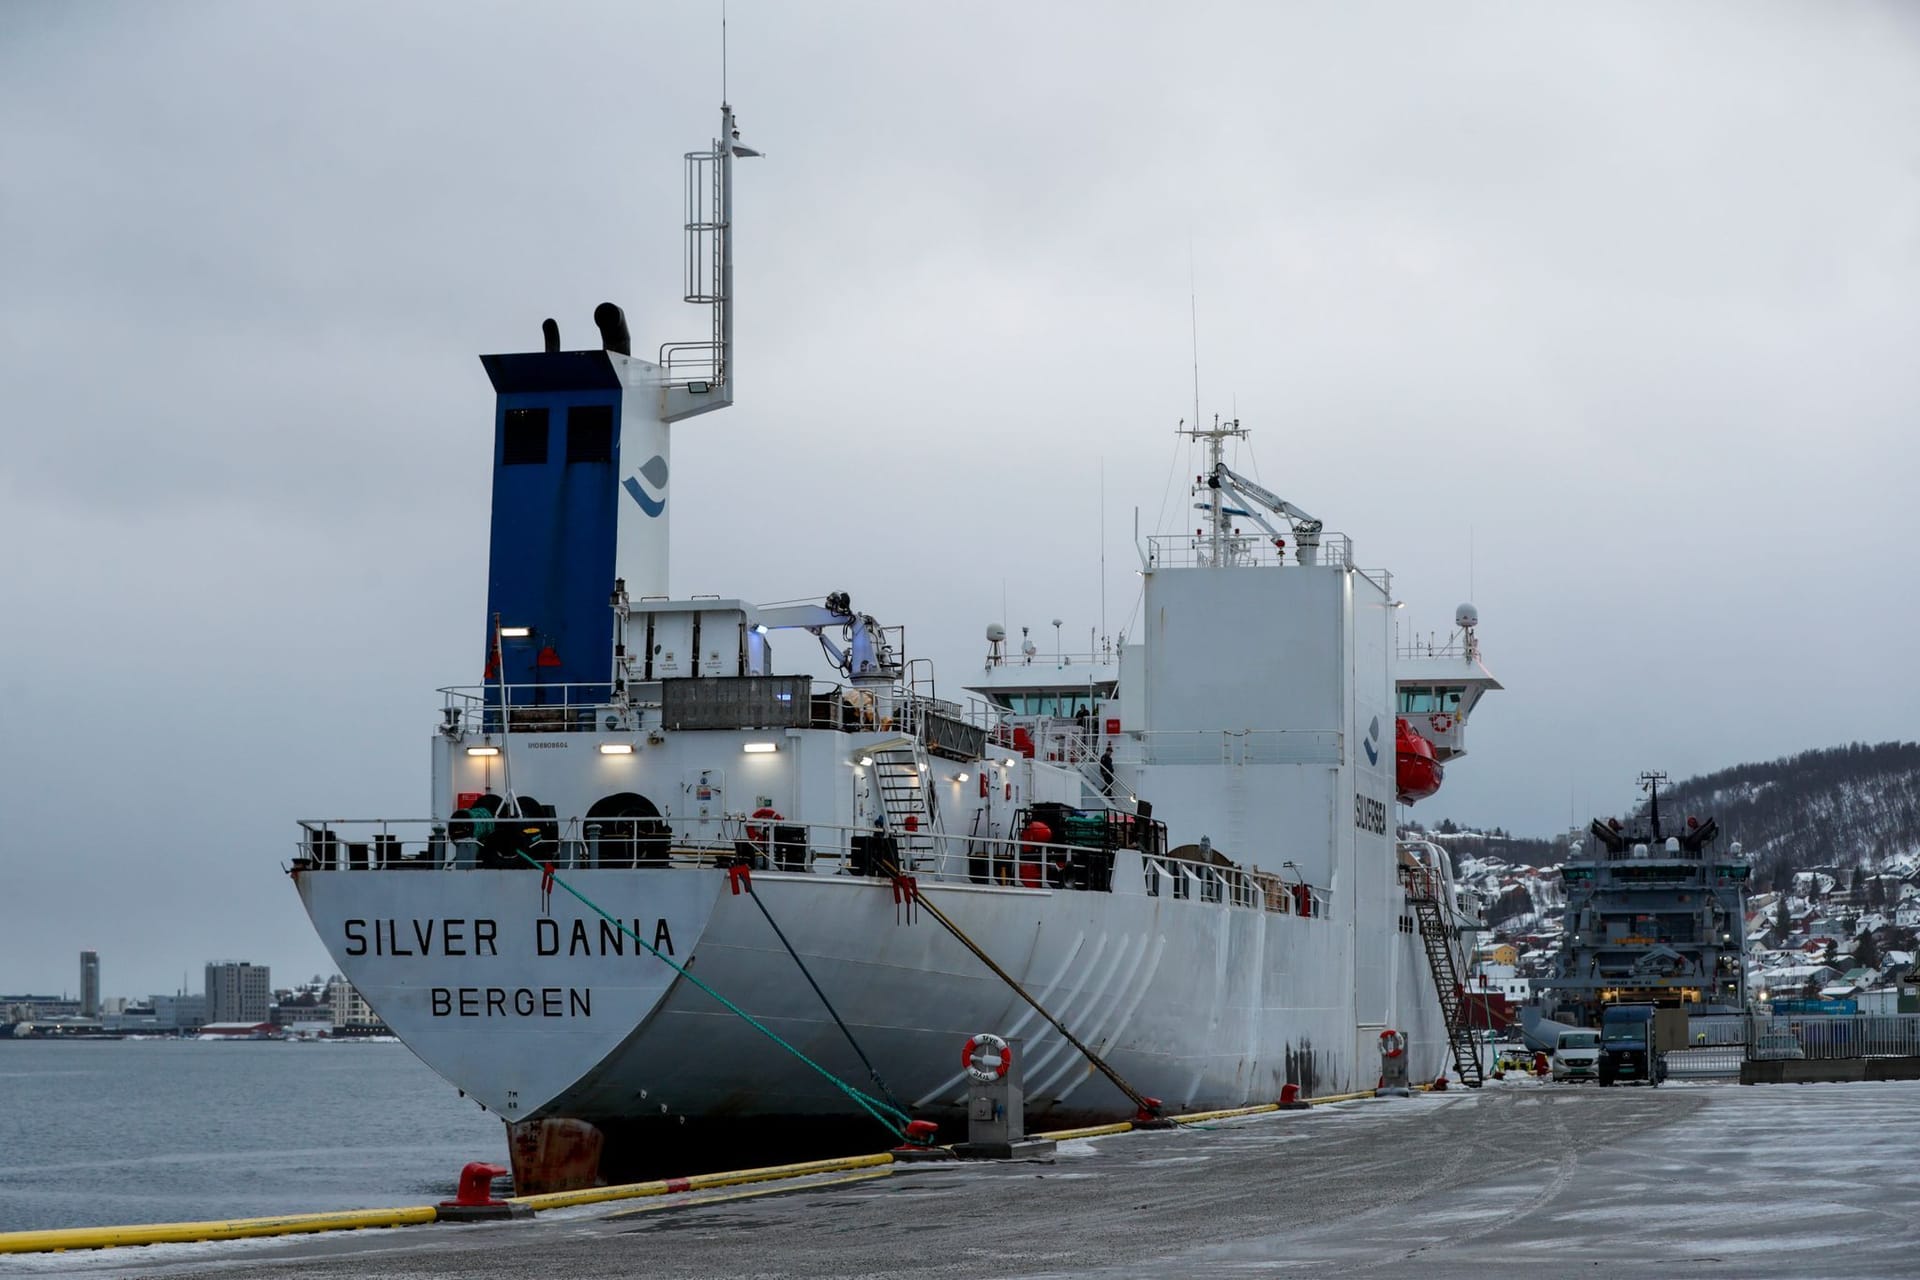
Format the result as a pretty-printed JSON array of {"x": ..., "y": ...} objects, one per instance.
[{"x": 1199, "y": 1004}]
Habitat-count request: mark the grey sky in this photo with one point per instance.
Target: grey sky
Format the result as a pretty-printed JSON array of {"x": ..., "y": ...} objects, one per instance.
[{"x": 1631, "y": 292}]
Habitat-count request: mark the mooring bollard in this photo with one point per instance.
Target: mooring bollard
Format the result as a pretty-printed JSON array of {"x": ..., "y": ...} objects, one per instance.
[
  {"x": 474, "y": 1200},
  {"x": 996, "y": 1111}
]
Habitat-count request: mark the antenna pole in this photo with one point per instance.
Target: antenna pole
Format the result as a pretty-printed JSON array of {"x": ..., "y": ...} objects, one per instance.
[
  {"x": 1103, "y": 546},
  {"x": 1193, "y": 325},
  {"x": 723, "y": 50}
]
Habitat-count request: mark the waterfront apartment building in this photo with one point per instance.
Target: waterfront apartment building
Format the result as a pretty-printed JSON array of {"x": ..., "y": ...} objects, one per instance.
[
  {"x": 351, "y": 1013},
  {"x": 238, "y": 991}
]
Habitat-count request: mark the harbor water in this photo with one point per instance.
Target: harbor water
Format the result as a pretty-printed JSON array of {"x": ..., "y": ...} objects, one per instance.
[{"x": 109, "y": 1132}]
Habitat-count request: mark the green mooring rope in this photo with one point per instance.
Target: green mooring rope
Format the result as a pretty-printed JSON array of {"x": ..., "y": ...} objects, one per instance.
[{"x": 871, "y": 1105}]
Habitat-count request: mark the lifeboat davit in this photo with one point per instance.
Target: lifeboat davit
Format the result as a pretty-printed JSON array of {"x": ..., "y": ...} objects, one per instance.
[{"x": 1416, "y": 771}]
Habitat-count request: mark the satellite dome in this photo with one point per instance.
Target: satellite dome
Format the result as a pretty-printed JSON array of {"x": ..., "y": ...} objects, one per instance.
[
  {"x": 1029, "y": 648},
  {"x": 995, "y": 632},
  {"x": 1466, "y": 616}
]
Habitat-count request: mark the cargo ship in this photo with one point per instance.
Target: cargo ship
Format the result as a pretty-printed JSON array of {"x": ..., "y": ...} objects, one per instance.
[{"x": 676, "y": 878}]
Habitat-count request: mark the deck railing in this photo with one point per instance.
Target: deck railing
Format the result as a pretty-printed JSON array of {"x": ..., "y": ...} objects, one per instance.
[{"x": 420, "y": 844}]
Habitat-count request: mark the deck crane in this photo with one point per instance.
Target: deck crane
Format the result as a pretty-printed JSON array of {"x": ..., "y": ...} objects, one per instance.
[
  {"x": 864, "y": 652},
  {"x": 1306, "y": 529}
]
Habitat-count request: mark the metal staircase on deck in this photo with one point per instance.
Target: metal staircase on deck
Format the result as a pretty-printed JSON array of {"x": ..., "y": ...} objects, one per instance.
[
  {"x": 899, "y": 778},
  {"x": 1438, "y": 937}
]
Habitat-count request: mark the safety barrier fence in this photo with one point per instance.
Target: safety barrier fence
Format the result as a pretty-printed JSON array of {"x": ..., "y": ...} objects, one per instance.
[
  {"x": 1834, "y": 1036},
  {"x": 77, "y": 1238}
]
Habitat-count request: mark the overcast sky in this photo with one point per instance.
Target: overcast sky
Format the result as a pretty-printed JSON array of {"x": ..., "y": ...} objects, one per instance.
[{"x": 1606, "y": 314}]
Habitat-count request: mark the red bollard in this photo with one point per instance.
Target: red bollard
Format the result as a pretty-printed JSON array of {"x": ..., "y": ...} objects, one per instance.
[
  {"x": 474, "y": 1200},
  {"x": 1290, "y": 1098},
  {"x": 1540, "y": 1066},
  {"x": 1440, "y": 1083},
  {"x": 918, "y": 1143},
  {"x": 476, "y": 1184},
  {"x": 1151, "y": 1115}
]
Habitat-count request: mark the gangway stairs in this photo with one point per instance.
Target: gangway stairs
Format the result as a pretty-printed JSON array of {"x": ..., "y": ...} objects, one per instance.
[
  {"x": 1437, "y": 934},
  {"x": 900, "y": 780}
]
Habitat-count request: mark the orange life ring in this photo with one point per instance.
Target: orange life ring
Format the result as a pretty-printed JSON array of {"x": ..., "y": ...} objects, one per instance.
[
  {"x": 1392, "y": 1044},
  {"x": 984, "y": 1072},
  {"x": 1441, "y": 723},
  {"x": 758, "y": 834}
]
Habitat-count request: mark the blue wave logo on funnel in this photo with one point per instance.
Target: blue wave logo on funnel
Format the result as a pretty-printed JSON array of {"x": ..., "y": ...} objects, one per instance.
[
  {"x": 654, "y": 472},
  {"x": 1371, "y": 742}
]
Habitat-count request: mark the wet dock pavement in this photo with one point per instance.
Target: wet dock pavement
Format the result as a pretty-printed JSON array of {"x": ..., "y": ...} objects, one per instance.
[{"x": 1526, "y": 1178}]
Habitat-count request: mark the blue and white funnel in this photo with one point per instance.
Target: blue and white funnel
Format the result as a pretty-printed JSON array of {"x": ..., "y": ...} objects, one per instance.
[{"x": 582, "y": 468}]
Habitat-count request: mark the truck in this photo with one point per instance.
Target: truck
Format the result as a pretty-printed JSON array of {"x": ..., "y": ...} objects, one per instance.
[
  {"x": 1628, "y": 1047},
  {"x": 1576, "y": 1055}
]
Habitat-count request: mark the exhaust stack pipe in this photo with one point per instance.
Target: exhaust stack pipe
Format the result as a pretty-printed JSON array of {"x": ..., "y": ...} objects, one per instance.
[{"x": 613, "y": 328}]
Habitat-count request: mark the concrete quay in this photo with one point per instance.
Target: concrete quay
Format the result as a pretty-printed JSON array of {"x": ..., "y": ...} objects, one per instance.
[{"x": 1522, "y": 1178}]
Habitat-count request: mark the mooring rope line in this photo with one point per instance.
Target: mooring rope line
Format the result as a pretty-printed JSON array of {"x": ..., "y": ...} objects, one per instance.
[
  {"x": 1149, "y": 1107},
  {"x": 873, "y": 1072},
  {"x": 872, "y": 1106}
]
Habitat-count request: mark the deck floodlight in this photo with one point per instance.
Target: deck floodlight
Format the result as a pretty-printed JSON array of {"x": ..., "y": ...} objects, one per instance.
[
  {"x": 515, "y": 633},
  {"x": 616, "y": 748},
  {"x": 760, "y": 748},
  {"x": 483, "y": 751}
]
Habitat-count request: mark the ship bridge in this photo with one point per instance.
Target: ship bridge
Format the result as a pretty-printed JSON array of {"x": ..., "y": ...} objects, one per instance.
[{"x": 1439, "y": 682}]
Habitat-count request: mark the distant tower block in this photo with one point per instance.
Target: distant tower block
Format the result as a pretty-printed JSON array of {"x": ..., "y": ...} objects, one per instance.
[{"x": 89, "y": 984}]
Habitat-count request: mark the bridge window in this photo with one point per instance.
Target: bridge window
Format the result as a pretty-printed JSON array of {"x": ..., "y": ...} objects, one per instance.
[
  {"x": 523, "y": 437},
  {"x": 1428, "y": 700}
]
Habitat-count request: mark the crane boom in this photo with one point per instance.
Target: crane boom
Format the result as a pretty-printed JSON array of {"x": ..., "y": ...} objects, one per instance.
[{"x": 1305, "y": 528}]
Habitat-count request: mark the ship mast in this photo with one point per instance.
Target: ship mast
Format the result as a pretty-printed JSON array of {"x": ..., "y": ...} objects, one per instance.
[{"x": 1216, "y": 437}]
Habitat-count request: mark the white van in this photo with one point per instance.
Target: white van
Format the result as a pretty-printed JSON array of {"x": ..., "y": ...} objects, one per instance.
[{"x": 1576, "y": 1055}]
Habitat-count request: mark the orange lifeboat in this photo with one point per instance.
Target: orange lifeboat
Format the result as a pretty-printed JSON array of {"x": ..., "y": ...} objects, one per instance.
[{"x": 1416, "y": 772}]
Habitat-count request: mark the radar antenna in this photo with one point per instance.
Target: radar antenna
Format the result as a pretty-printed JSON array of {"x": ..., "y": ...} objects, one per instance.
[{"x": 1216, "y": 437}]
